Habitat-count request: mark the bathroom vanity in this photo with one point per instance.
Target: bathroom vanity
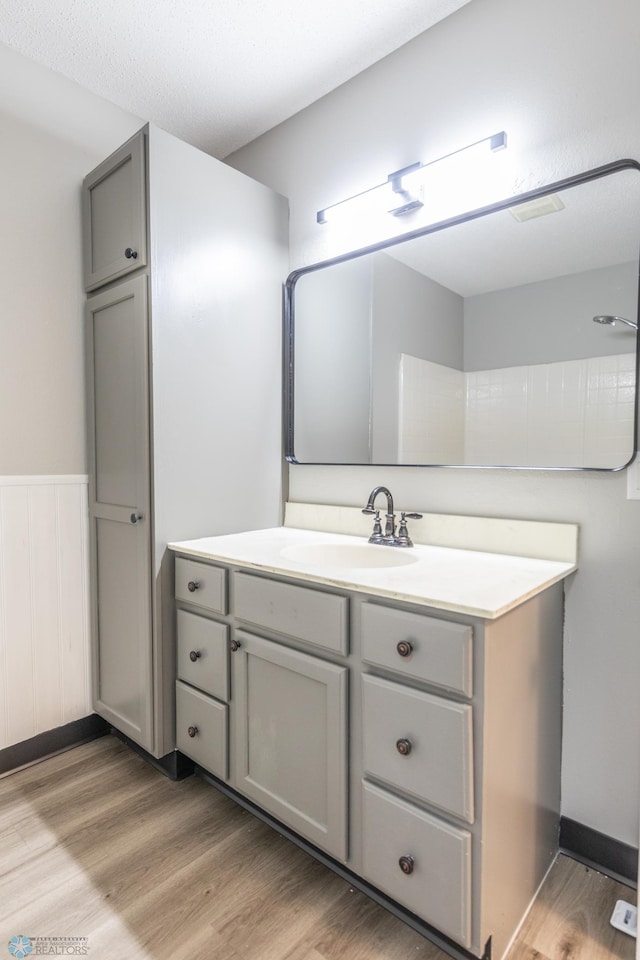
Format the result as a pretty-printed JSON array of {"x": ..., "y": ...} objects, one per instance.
[{"x": 397, "y": 710}]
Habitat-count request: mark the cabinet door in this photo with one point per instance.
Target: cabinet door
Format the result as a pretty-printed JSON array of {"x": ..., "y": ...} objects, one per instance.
[
  {"x": 290, "y": 738},
  {"x": 114, "y": 211},
  {"x": 118, "y": 415}
]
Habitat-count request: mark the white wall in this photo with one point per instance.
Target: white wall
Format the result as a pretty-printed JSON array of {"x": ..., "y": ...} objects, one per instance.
[
  {"x": 52, "y": 133},
  {"x": 562, "y": 79}
]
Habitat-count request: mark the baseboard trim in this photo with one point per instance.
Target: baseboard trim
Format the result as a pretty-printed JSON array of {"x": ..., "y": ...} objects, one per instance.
[
  {"x": 174, "y": 765},
  {"x": 51, "y": 742},
  {"x": 612, "y": 857}
]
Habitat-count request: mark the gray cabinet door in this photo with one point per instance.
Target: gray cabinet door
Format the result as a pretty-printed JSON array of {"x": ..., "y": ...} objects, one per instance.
[
  {"x": 114, "y": 211},
  {"x": 290, "y": 738},
  {"x": 118, "y": 414}
]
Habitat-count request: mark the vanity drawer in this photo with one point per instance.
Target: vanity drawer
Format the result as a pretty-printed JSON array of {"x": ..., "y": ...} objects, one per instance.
[
  {"x": 422, "y": 647},
  {"x": 419, "y": 743},
  {"x": 203, "y": 654},
  {"x": 313, "y": 616},
  {"x": 201, "y": 584},
  {"x": 201, "y": 729},
  {"x": 436, "y": 857}
]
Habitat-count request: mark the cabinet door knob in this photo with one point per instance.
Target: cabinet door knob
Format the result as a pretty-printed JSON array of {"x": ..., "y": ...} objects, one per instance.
[
  {"x": 235, "y": 645},
  {"x": 194, "y": 655},
  {"x": 404, "y": 746},
  {"x": 404, "y": 648},
  {"x": 406, "y": 864},
  {"x": 192, "y": 731},
  {"x": 135, "y": 517},
  {"x": 131, "y": 254},
  {"x": 193, "y": 585}
]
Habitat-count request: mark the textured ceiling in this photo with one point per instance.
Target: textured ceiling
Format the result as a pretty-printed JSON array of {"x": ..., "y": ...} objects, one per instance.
[{"x": 217, "y": 73}]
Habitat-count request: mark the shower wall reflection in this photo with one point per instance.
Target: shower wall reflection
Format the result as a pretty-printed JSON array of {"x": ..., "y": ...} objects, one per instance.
[{"x": 572, "y": 413}]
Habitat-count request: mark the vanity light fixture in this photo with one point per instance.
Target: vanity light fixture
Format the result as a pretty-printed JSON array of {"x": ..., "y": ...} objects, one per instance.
[{"x": 402, "y": 191}]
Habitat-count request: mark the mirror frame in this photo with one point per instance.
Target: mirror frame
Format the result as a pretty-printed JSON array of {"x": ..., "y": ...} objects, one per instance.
[{"x": 289, "y": 318}]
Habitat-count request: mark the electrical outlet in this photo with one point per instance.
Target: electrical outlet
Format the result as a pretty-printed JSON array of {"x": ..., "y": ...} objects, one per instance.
[{"x": 633, "y": 479}]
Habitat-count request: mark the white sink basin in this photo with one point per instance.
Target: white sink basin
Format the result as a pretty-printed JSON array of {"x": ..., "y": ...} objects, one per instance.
[{"x": 349, "y": 555}]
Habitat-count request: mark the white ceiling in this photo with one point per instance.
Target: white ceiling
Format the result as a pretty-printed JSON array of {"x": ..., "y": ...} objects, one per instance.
[
  {"x": 596, "y": 227},
  {"x": 216, "y": 73}
]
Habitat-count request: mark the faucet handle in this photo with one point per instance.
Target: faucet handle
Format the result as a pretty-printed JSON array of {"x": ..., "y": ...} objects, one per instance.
[
  {"x": 376, "y": 536},
  {"x": 403, "y": 539}
]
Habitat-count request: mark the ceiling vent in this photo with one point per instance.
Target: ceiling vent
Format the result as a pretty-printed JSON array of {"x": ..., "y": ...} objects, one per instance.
[{"x": 539, "y": 207}]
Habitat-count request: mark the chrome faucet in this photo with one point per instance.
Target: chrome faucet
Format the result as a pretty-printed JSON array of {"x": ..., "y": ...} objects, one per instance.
[
  {"x": 389, "y": 537},
  {"x": 377, "y": 536}
]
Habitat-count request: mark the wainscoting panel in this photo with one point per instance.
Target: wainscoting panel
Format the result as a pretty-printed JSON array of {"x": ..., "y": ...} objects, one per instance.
[{"x": 44, "y": 605}]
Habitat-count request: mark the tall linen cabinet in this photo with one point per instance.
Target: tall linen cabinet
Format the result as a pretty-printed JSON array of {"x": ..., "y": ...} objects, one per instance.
[{"x": 184, "y": 263}]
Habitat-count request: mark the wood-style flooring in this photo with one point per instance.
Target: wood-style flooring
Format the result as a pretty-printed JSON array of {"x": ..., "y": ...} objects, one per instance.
[{"x": 95, "y": 843}]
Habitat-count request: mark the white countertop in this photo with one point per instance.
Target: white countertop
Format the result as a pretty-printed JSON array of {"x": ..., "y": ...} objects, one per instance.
[{"x": 471, "y": 582}]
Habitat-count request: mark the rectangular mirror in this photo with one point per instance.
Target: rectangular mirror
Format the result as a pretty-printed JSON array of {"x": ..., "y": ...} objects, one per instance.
[{"x": 506, "y": 337}]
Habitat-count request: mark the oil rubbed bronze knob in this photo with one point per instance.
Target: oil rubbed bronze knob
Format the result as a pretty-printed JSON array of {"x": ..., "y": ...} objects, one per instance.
[
  {"x": 131, "y": 254},
  {"x": 404, "y": 746},
  {"x": 406, "y": 864},
  {"x": 404, "y": 648},
  {"x": 193, "y": 732},
  {"x": 192, "y": 586},
  {"x": 194, "y": 655},
  {"x": 235, "y": 645}
]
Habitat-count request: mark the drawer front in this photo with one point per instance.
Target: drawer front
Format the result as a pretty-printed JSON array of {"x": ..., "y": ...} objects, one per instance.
[
  {"x": 423, "y": 647},
  {"x": 203, "y": 654},
  {"x": 201, "y": 584},
  {"x": 436, "y": 857},
  {"x": 419, "y": 743},
  {"x": 313, "y": 616},
  {"x": 207, "y": 720}
]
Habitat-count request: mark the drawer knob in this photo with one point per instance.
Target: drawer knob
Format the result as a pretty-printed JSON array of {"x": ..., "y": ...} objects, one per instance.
[
  {"x": 131, "y": 254},
  {"x": 194, "y": 655},
  {"x": 235, "y": 645},
  {"x": 192, "y": 731},
  {"x": 193, "y": 585},
  {"x": 404, "y": 746},
  {"x": 406, "y": 864},
  {"x": 404, "y": 648}
]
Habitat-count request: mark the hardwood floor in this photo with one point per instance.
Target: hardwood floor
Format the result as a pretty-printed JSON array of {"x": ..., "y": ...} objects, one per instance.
[{"x": 95, "y": 843}]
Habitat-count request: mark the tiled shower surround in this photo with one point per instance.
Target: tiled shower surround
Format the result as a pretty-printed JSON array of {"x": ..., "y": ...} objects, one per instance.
[{"x": 570, "y": 413}]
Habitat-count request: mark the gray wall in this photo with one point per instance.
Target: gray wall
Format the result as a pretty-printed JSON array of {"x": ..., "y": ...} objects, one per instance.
[
  {"x": 551, "y": 320},
  {"x": 527, "y": 68},
  {"x": 333, "y": 364},
  {"x": 52, "y": 134},
  {"x": 414, "y": 315}
]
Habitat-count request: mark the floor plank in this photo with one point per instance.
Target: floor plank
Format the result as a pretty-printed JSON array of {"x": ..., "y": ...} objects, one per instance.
[
  {"x": 96, "y": 843},
  {"x": 570, "y": 918}
]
